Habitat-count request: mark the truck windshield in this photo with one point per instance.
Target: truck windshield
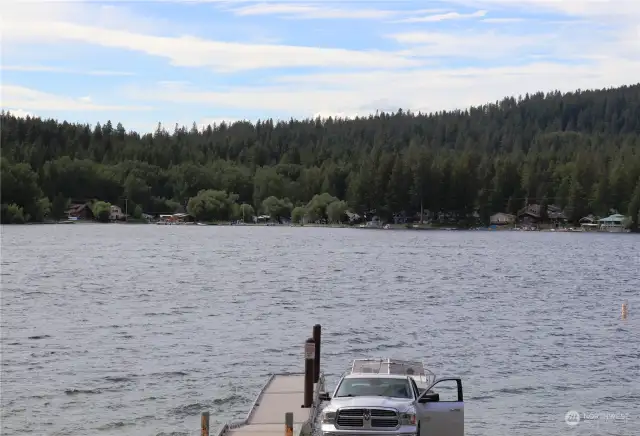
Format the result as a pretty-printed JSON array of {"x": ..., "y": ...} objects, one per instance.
[{"x": 374, "y": 386}]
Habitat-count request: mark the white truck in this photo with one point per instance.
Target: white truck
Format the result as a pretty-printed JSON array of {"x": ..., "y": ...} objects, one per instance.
[{"x": 390, "y": 397}]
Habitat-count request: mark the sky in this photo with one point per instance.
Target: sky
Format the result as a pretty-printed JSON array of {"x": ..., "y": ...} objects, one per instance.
[{"x": 205, "y": 61}]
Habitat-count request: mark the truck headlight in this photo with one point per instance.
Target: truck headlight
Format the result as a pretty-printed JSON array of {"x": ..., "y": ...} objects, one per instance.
[
  {"x": 328, "y": 417},
  {"x": 408, "y": 417}
]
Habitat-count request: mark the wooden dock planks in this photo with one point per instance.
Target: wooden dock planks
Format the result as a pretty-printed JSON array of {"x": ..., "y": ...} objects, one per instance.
[{"x": 284, "y": 394}]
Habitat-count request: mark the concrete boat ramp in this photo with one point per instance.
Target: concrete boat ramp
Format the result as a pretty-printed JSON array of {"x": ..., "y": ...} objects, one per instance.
[{"x": 288, "y": 403}]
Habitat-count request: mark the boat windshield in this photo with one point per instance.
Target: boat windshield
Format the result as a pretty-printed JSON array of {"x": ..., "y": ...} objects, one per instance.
[{"x": 374, "y": 386}]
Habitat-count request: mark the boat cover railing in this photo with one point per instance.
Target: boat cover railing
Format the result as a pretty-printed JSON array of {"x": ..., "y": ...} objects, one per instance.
[{"x": 413, "y": 368}]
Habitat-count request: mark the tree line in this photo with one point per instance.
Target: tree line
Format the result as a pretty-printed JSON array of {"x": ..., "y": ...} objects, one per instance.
[{"x": 579, "y": 150}]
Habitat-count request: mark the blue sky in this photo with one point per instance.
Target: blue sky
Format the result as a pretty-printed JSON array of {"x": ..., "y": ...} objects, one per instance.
[{"x": 204, "y": 61}]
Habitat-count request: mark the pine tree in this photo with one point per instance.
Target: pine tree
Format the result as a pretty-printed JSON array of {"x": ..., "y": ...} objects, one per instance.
[{"x": 634, "y": 208}]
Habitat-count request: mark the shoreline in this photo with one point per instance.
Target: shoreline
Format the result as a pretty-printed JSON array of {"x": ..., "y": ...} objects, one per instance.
[{"x": 395, "y": 227}]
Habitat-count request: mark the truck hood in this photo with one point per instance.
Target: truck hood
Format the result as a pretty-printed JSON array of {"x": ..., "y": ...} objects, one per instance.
[{"x": 401, "y": 404}]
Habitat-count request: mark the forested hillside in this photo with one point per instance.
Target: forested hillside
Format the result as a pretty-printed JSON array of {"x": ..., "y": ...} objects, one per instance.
[{"x": 580, "y": 151}]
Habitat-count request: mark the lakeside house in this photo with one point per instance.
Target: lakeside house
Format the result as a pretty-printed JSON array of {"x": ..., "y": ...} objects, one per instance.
[
  {"x": 116, "y": 214},
  {"x": 589, "y": 219},
  {"x": 556, "y": 215},
  {"x": 80, "y": 211},
  {"x": 176, "y": 218},
  {"x": 83, "y": 211},
  {"x": 501, "y": 219},
  {"x": 588, "y": 223},
  {"x": 532, "y": 215},
  {"x": 613, "y": 223}
]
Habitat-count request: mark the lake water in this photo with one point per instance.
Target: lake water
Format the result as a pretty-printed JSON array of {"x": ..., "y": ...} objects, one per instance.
[{"x": 134, "y": 330}]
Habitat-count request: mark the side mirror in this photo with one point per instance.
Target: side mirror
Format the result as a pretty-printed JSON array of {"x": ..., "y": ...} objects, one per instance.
[
  {"x": 430, "y": 398},
  {"x": 324, "y": 396}
]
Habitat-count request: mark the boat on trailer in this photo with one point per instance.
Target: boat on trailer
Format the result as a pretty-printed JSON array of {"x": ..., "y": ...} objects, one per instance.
[{"x": 415, "y": 369}]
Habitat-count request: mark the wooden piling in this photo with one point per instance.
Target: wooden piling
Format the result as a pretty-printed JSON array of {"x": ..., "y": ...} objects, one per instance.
[
  {"x": 288, "y": 424},
  {"x": 204, "y": 424},
  {"x": 317, "y": 333},
  {"x": 309, "y": 356}
]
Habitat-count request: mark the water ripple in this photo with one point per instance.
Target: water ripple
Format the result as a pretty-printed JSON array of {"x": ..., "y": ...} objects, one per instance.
[{"x": 131, "y": 330}]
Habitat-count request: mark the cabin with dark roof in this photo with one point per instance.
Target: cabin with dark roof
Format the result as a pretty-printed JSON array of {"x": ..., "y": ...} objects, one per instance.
[
  {"x": 80, "y": 211},
  {"x": 532, "y": 215}
]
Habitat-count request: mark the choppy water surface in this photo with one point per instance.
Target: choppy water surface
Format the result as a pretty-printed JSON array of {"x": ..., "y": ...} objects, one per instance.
[{"x": 134, "y": 330}]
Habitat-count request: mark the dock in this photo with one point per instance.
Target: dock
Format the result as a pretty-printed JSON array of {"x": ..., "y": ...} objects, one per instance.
[{"x": 287, "y": 405}]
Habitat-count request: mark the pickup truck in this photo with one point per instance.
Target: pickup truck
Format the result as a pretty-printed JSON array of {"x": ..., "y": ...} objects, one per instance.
[{"x": 389, "y": 397}]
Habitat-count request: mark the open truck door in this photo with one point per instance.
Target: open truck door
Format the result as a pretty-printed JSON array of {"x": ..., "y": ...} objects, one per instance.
[{"x": 441, "y": 413}]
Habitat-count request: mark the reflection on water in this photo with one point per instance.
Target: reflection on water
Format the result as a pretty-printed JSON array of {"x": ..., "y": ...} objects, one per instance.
[{"x": 134, "y": 330}]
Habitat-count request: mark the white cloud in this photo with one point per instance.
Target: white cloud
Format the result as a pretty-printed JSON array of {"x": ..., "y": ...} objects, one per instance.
[
  {"x": 609, "y": 56},
  {"x": 469, "y": 44},
  {"x": 443, "y": 17},
  {"x": 502, "y": 20},
  {"x": 616, "y": 10},
  {"x": 19, "y": 113},
  {"x": 188, "y": 51},
  {"x": 563, "y": 39},
  {"x": 310, "y": 11},
  {"x": 322, "y": 10},
  {"x": 191, "y": 51},
  {"x": 34, "y": 100},
  {"x": 52, "y": 69},
  {"x": 422, "y": 90}
]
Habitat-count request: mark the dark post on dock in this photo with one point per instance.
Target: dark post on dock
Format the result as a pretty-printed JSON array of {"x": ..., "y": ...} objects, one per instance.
[
  {"x": 317, "y": 329},
  {"x": 309, "y": 357},
  {"x": 204, "y": 424}
]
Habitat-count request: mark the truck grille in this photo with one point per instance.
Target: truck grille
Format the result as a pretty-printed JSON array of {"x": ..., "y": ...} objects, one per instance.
[
  {"x": 388, "y": 423},
  {"x": 376, "y": 418}
]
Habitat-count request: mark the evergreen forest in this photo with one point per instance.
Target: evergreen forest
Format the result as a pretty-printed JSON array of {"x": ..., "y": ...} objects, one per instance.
[{"x": 578, "y": 150}]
